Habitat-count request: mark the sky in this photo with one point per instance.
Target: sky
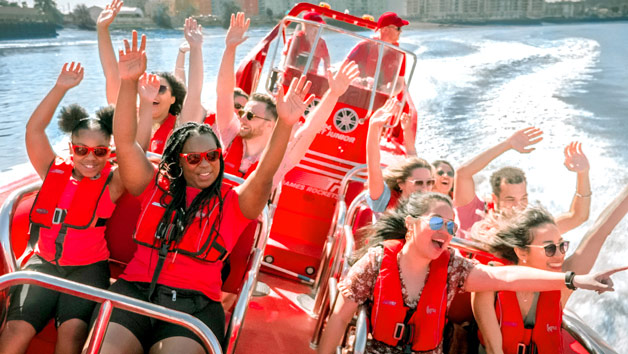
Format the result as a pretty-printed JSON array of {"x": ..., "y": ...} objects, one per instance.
[{"x": 62, "y": 5}]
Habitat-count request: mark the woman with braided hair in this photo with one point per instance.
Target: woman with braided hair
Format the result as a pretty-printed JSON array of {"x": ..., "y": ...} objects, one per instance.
[
  {"x": 67, "y": 220},
  {"x": 189, "y": 221}
]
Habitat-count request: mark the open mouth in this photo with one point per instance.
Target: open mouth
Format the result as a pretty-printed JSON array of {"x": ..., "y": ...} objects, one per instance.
[{"x": 438, "y": 243}]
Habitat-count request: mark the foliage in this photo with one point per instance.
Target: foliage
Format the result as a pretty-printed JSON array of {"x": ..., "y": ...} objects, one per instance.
[
  {"x": 269, "y": 13},
  {"x": 229, "y": 8},
  {"x": 161, "y": 16},
  {"x": 49, "y": 7},
  {"x": 81, "y": 17}
]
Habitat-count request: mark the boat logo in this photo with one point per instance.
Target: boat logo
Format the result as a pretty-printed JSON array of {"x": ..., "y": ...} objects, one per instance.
[
  {"x": 346, "y": 120},
  {"x": 429, "y": 310},
  {"x": 551, "y": 329},
  {"x": 509, "y": 324},
  {"x": 57, "y": 171},
  {"x": 389, "y": 302},
  {"x": 41, "y": 211}
]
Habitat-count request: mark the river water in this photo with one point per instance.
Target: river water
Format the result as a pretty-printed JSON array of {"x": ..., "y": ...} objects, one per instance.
[{"x": 473, "y": 88}]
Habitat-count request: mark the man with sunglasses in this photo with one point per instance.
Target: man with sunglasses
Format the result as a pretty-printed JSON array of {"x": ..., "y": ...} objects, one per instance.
[
  {"x": 246, "y": 134},
  {"x": 510, "y": 186},
  {"x": 365, "y": 53}
]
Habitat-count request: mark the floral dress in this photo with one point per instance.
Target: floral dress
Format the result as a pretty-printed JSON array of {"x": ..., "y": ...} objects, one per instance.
[{"x": 359, "y": 283}]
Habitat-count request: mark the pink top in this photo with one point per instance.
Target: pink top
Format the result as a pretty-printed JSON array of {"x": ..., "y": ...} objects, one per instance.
[
  {"x": 81, "y": 247},
  {"x": 469, "y": 214},
  {"x": 184, "y": 272}
]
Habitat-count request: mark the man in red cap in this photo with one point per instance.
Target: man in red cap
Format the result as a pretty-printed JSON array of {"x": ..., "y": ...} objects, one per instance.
[
  {"x": 300, "y": 44},
  {"x": 365, "y": 54}
]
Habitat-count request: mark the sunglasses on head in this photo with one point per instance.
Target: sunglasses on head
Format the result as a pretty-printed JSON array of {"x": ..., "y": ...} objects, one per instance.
[
  {"x": 249, "y": 115},
  {"x": 436, "y": 223},
  {"x": 420, "y": 182},
  {"x": 162, "y": 89},
  {"x": 441, "y": 172},
  {"x": 82, "y": 150},
  {"x": 550, "y": 250},
  {"x": 194, "y": 158}
]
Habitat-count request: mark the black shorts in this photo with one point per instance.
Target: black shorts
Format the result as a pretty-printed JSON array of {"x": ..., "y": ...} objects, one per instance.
[
  {"x": 149, "y": 330},
  {"x": 37, "y": 305}
]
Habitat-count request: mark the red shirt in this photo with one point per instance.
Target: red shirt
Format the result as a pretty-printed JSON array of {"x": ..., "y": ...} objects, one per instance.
[
  {"x": 298, "y": 46},
  {"x": 365, "y": 54}
]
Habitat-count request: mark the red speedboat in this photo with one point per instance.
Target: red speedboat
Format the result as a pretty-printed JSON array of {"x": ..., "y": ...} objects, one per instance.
[{"x": 285, "y": 267}]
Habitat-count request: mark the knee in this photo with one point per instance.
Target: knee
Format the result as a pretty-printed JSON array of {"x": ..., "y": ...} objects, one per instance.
[{"x": 73, "y": 331}]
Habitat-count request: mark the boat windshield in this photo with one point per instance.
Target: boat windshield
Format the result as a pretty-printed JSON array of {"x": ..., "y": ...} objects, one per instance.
[{"x": 311, "y": 47}]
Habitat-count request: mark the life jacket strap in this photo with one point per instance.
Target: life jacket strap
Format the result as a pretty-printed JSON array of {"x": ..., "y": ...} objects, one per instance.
[{"x": 163, "y": 252}]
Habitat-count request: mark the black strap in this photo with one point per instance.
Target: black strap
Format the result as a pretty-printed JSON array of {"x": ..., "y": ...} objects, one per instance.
[
  {"x": 163, "y": 252},
  {"x": 59, "y": 243},
  {"x": 408, "y": 332}
]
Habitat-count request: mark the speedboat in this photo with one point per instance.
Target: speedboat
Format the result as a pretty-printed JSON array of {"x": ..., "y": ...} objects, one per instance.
[{"x": 285, "y": 267}]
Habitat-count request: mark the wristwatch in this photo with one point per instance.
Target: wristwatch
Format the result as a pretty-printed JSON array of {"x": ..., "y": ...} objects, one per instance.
[{"x": 569, "y": 280}]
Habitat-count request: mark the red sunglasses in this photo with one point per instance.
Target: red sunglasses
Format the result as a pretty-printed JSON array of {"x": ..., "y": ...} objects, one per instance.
[
  {"x": 194, "y": 158},
  {"x": 82, "y": 150}
]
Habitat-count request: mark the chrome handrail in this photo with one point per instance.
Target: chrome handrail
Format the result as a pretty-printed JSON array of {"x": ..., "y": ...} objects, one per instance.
[
  {"x": 361, "y": 331},
  {"x": 6, "y": 216},
  {"x": 208, "y": 339},
  {"x": 584, "y": 334}
]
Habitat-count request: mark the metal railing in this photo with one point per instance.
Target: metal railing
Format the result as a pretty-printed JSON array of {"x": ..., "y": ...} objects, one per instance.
[{"x": 112, "y": 300}]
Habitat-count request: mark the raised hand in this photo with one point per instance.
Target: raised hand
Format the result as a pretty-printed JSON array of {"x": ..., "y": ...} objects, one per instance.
[
  {"x": 599, "y": 282},
  {"x": 107, "y": 15},
  {"x": 237, "y": 29},
  {"x": 575, "y": 159},
  {"x": 290, "y": 107},
  {"x": 406, "y": 122},
  {"x": 70, "y": 76},
  {"x": 339, "y": 83},
  {"x": 184, "y": 47},
  {"x": 193, "y": 32},
  {"x": 148, "y": 87},
  {"x": 383, "y": 114},
  {"x": 132, "y": 62},
  {"x": 524, "y": 138}
]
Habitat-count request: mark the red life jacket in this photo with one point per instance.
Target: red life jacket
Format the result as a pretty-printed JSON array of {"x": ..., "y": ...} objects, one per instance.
[
  {"x": 394, "y": 198},
  {"x": 82, "y": 211},
  {"x": 200, "y": 240},
  {"x": 158, "y": 140},
  {"x": 391, "y": 321},
  {"x": 233, "y": 159},
  {"x": 545, "y": 335}
]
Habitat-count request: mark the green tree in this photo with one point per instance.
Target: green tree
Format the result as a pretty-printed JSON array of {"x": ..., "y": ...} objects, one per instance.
[
  {"x": 161, "y": 16},
  {"x": 82, "y": 18},
  {"x": 230, "y": 8},
  {"x": 49, "y": 7}
]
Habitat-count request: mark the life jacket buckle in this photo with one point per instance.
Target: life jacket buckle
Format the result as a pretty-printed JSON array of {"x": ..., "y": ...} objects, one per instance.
[
  {"x": 399, "y": 329},
  {"x": 521, "y": 348},
  {"x": 59, "y": 216}
]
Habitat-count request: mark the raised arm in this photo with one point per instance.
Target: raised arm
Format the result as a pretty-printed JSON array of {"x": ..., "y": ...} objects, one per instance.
[
  {"x": 519, "y": 278},
  {"x": 409, "y": 134},
  {"x": 483, "y": 305},
  {"x": 375, "y": 180},
  {"x": 226, "y": 76},
  {"x": 40, "y": 152},
  {"x": 315, "y": 121},
  {"x": 254, "y": 192},
  {"x": 148, "y": 88},
  {"x": 192, "y": 110},
  {"x": 464, "y": 186},
  {"x": 179, "y": 65},
  {"x": 335, "y": 328},
  {"x": 135, "y": 169},
  {"x": 106, "y": 52},
  {"x": 582, "y": 260},
  {"x": 576, "y": 161}
]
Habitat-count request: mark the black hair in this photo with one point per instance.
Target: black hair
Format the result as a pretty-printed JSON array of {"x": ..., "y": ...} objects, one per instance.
[
  {"x": 392, "y": 224},
  {"x": 503, "y": 232},
  {"x": 73, "y": 118},
  {"x": 510, "y": 175},
  {"x": 178, "y": 91}
]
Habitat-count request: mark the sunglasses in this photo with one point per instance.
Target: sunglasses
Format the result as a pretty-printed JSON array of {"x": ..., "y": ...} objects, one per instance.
[
  {"x": 238, "y": 106},
  {"x": 250, "y": 115},
  {"x": 419, "y": 182},
  {"x": 82, "y": 150},
  {"x": 436, "y": 223},
  {"x": 550, "y": 250},
  {"x": 162, "y": 89},
  {"x": 441, "y": 172},
  {"x": 194, "y": 158}
]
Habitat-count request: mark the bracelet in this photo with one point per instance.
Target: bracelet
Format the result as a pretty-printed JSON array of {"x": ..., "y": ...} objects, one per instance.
[
  {"x": 180, "y": 68},
  {"x": 584, "y": 195},
  {"x": 569, "y": 280}
]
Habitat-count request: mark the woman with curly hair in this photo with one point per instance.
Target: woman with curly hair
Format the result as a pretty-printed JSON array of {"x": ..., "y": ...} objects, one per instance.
[
  {"x": 531, "y": 238},
  {"x": 67, "y": 220},
  {"x": 399, "y": 181},
  {"x": 190, "y": 219},
  {"x": 409, "y": 276}
]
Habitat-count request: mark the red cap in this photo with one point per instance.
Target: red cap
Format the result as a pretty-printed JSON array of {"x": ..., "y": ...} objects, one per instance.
[
  {"x": 390, "y": 18},
  {"x": 313, "y": 16}
]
